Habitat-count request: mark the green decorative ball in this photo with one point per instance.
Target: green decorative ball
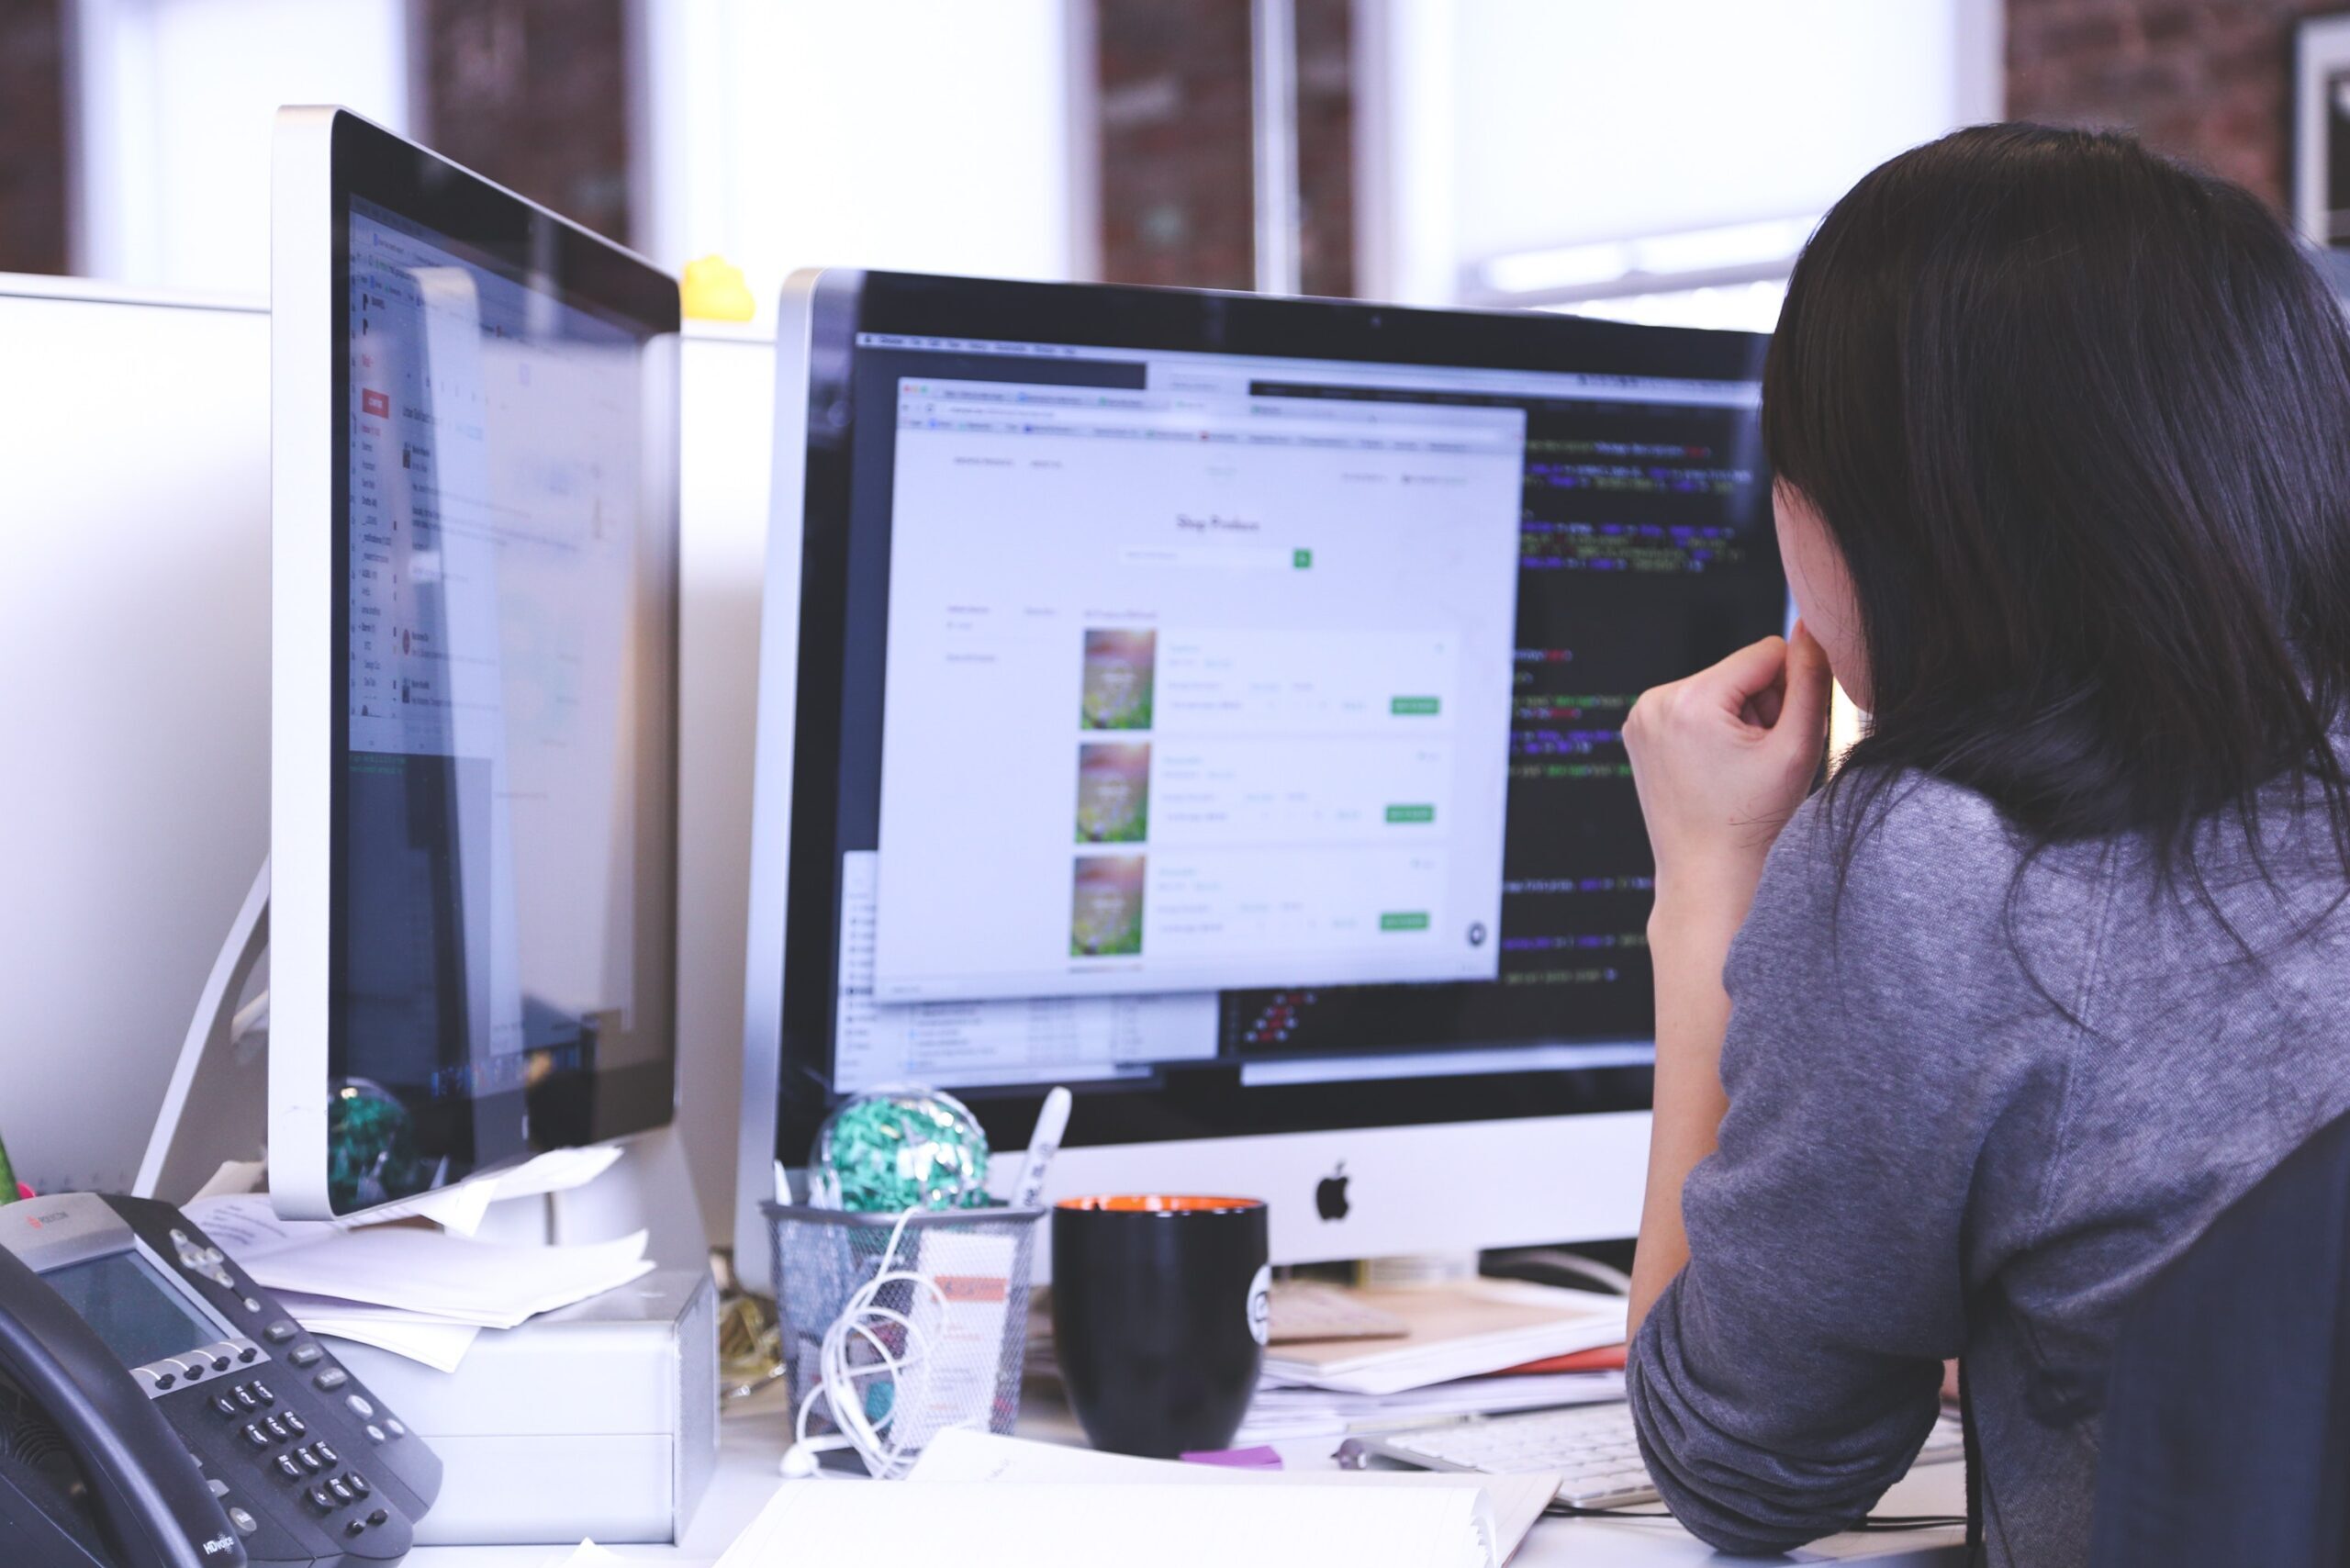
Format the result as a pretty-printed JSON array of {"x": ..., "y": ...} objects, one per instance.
[{"x": 900, "y": 1147}]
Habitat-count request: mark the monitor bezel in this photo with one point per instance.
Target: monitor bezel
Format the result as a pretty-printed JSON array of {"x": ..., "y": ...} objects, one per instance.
[
  {"x": 323, "y": 159},
  {"x": 820, "y": 343}
]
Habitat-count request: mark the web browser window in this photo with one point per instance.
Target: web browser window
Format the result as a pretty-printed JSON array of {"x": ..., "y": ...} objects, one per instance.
[
  {"x": 1018, "y": 480},
  {"x": 1193, "y": 687}
]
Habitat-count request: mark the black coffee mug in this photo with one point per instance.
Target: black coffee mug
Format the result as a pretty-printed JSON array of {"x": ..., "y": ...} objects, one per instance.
[{"x": 1161, "y": 1306}]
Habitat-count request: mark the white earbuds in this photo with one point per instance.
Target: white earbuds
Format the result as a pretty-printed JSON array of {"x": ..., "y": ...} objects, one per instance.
[{"x": 894, "y": 1345}]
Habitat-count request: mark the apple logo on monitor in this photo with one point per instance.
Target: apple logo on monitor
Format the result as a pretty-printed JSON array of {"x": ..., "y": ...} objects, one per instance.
[{"x": 1330, "y": 1196}]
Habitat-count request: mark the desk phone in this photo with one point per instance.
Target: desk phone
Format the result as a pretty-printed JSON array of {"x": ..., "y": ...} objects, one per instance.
[{"x": 159, "y": 1409}]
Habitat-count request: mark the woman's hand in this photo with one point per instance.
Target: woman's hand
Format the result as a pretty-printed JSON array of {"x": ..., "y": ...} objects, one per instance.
[{"x": 1721, "y": 760}]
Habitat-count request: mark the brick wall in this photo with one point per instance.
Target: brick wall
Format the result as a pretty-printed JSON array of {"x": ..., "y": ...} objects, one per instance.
[
  {"x": 534, "y": 95},
  {"x": 1176, "y": 162},
  {"x": 1178, "y": 201},
  {"x": 2210, "y": 80},
  {"x": 32, "y": 137},
  {"x": 1325, "y": 146}
]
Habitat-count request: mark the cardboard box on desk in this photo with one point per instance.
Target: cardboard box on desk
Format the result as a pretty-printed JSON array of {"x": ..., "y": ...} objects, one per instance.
[{"x": 600, "y": 1420}]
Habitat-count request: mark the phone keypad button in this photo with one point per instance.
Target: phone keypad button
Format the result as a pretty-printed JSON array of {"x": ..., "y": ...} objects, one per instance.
[
  {"x": 243, "y": 1395},
  {"x": 342, "y": 1491},
  {"x": 288, "y": 1469},
  {"x": 358, "y": 1484},
  {"x": 322, "y": 1500},
  {"x": 255, "y": 1436},
  {"x": 261, "y": 1393},
  {"x": 294, "y": 1424},
  {"x": 326, "y": 1451},
  {"x": 310, "y": 1460},
  {"x": 226, "y": 1406},
  {"x": 278, "y": 1429}
]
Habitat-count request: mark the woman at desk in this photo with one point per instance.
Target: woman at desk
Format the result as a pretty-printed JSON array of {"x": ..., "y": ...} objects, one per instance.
[{"x": 1956, "y": 1053}]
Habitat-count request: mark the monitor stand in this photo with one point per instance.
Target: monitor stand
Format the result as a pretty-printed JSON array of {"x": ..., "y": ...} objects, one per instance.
[{"x": 216, "y": 1112}]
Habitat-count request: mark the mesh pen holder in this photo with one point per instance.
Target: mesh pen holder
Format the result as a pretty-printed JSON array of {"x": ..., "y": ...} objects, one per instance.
[{"x": 972, "y": 1331}]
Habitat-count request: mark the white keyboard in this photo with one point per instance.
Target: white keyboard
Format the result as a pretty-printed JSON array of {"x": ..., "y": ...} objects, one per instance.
[{"x": 1591, "y": 1445}]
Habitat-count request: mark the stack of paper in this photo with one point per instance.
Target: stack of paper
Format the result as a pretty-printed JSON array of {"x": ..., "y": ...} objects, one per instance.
[
  {"x": 462, "y": 1206},
  {"x": 1280, "y": 1412},
  {"x": 1455, "y": 1331},
  {"x": 417, "y": 1293}
]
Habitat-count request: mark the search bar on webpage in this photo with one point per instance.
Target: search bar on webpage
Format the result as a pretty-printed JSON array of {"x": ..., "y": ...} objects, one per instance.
[{"x": 1218, "y": 557}]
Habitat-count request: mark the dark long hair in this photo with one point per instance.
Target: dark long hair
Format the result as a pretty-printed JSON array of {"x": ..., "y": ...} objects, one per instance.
[{"x": 2078, "y": 417}]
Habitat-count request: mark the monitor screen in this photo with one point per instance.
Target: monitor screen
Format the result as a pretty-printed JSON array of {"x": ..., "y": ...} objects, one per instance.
[
  {"x": 503, "y": 861},
  {"x": 1216, "y": 706},
  {"x": 140, "y": 1316}
]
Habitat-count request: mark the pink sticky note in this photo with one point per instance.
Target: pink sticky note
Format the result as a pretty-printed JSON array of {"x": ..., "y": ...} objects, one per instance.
[{"x": 1258, "y": 1457}]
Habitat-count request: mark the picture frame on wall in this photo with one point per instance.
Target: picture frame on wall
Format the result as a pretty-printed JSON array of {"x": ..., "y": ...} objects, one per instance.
[{"x": 2322, "y": 131}]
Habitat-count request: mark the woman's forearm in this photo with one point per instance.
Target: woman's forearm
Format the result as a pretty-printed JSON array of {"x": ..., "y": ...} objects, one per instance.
[{"x": 1689, "y": 938}]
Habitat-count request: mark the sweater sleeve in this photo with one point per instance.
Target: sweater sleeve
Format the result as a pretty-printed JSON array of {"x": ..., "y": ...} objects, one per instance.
[{"x": 1790, "y": 1374}]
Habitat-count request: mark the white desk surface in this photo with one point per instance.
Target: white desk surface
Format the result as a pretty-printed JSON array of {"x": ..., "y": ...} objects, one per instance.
[{"x": 753, "y": 1443}]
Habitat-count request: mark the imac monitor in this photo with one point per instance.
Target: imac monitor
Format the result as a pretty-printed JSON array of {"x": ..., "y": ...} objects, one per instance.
[
  {"x": 475, "y": 676},
  {"x": 1213, "y": 704}
]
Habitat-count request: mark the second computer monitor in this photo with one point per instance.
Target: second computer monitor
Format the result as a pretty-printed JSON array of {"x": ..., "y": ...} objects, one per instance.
[
  {"x": 1215, "y": 704},
  {"x": 474, "y": 715}
]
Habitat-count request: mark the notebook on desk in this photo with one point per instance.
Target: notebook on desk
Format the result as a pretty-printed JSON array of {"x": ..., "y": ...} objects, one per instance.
[
  {"x": 1461, "y": 1330},
  {"x": 1079, "y": 1526},
  {"x": 989, "y": 1499}
]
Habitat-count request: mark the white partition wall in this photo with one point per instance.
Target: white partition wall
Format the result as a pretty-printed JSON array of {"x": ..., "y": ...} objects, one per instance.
[{"x": 134, "y": 672}]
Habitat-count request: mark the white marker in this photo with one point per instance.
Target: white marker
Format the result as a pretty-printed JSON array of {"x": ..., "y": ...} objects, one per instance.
[{"x": 1043, "y": 1144}]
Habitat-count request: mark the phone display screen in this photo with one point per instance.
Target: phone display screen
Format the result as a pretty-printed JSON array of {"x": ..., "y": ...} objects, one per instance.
[{"x": 134, "y": 1309}]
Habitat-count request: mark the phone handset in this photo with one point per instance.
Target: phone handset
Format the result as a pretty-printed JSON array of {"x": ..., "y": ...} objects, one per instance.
[{"x": 152, "y": 1505}]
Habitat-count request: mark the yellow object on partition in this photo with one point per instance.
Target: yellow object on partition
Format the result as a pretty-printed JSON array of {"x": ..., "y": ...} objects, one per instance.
[{"x": 715, "y": 291}]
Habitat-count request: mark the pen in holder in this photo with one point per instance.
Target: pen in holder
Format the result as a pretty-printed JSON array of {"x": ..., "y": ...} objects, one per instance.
[{"x": 897, "y": 1326}]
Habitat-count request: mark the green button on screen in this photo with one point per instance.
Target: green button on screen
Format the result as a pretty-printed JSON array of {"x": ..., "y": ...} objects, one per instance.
[
  {"x": 1404, "y": 920},
  {"x": 1411, "y": 814},
  {"x": 1412, "y": 705}
]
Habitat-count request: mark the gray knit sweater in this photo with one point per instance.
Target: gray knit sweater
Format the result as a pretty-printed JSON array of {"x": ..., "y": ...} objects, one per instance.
[{"x": 1925, "y": 1157}]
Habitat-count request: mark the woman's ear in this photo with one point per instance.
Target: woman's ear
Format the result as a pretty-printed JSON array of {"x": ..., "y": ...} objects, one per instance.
[{"x": 1822, "y": 588}]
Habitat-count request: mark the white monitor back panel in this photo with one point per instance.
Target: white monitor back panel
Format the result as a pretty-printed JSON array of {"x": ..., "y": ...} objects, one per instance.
[{"x": 134, "y": 672}]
